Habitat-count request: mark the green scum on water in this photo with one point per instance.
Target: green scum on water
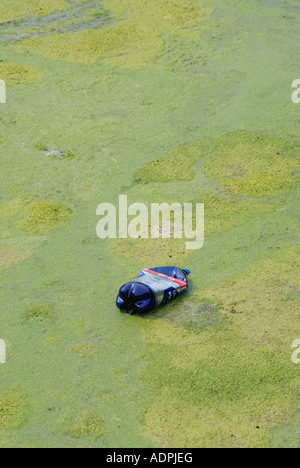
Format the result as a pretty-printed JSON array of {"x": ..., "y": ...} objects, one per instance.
[{"x": 169, "y": 101}]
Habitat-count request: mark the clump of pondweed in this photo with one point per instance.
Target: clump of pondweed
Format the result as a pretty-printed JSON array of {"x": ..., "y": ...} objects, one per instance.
[
  {"x": 39, "y": 312},
  {"x": 13, "y": 410},
  {"x": 89, "y": 423},
  {"x": 13, "y": 74},
  {"x": 223, "y": 213},
  {"x": 52, "y": 340},
  {"x": 250, "y": 165},
  {"x": 177, "y": 165},
  {"x": 121, "y": 44},
  {"x": 13, "y": 9},
  {"x": 44, "y": 216},
  {"x": 84, "y": 350}
]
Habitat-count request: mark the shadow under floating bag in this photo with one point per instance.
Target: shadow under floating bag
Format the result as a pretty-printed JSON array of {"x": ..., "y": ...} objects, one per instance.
[{"x": 151, "y": 289}]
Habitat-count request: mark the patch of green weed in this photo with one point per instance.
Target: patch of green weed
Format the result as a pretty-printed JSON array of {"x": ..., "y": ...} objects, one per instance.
[
  {"x": 42, "y": 217},
  {"x": 89, "y": 423},
  {"x": 224, "y": 213},
  {"x": 13, "y": 9},
  {"x": 39, "y": 312},
  {"x": 13, "y": 410},
  {"x": 84, "y": 350},
  {"x": 178, "y": 165},
  {"x": 249, "y": 165},
  {"x": 13, "y": 73}
]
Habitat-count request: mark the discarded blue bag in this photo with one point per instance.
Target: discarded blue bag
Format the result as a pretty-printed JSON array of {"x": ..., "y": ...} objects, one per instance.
[{"x": 152, "y": 288}]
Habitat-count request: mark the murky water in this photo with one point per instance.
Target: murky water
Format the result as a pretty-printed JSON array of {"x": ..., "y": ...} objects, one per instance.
[
  {"x": 88, "y": 15},
  {"x": 142, "y": 374}
]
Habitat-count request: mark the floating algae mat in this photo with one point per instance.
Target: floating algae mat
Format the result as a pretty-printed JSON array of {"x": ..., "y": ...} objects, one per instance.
[
  {"x": 13, "y": 9},
  {"x": 14, "y": 73},
  {"x": 41, "y": 217},
  {"x": 165, "y": 102},
  {"x": 130, "y": 42}
]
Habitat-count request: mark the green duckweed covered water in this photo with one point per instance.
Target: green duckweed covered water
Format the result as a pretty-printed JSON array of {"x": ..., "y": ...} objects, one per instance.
[{"x": 179, "y": 101}]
